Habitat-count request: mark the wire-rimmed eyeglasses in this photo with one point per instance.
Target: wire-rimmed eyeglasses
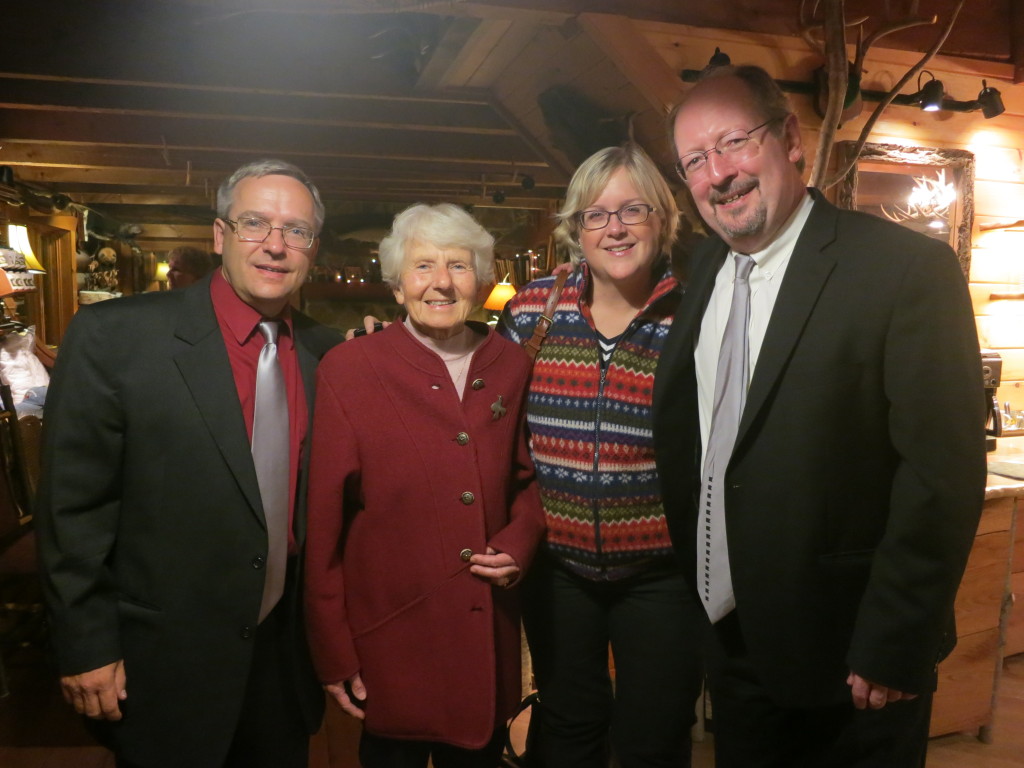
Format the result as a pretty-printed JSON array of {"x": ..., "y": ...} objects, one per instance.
[
  {"x": 254, "y": 230},
  {"x": 636, "y": 213},
  {"x": 736, "y": 145}
]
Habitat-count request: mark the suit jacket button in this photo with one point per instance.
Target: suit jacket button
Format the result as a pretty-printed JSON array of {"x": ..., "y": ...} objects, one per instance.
[
  {"x": 258, "y": 562},
  {"x": 462, "y": 438},
  {"x": 468, "y": 498},
  {"x": 478, "y": 384},
  {"x": 246, "y": 633},
  {"x": 465, "y": 554}
]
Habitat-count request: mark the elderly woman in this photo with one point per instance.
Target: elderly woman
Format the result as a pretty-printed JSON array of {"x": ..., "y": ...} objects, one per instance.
[
  {"x": 606, "y": 574},
  {"x": 423, "y": 509}
]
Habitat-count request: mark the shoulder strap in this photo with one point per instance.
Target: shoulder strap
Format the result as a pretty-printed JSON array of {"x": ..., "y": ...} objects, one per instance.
[{"x": 532, "y": 346}]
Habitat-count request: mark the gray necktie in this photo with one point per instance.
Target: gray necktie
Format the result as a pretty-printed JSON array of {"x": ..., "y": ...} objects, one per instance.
[
  {"x": 270, "y": 455},
  {"x": 713, "y": 575}
]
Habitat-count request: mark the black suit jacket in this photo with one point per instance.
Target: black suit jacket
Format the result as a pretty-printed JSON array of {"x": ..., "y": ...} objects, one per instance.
[
  {"x": 149, "y": 519},
  {"x": 856, "y": 483}
]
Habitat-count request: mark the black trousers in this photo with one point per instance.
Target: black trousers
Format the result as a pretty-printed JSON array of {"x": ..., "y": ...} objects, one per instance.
[
  {"x": 751, "y": 731},
  {"x": 653, "y": 627},
  {"x": 270, "y": 732},
  {"x": 380, "y": 752}
]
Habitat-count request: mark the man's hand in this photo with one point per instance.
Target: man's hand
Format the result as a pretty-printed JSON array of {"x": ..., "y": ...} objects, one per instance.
[
  {"x": 97, "y": 693},
  {"x": 352, "y": 704},
  {"x": 501, "y": 570},
  {"x": 868, "y": 694},
  {"x": 370, "y": 325}
]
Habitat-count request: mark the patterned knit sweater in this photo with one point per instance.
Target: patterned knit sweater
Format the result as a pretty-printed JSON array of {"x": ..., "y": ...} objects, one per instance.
[{"x": 591, "y": 434}]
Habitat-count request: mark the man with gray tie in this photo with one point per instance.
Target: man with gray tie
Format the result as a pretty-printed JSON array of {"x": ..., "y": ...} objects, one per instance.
[
  {"x": 819, "y": 429},
  {"x": 171, "y": 511}
]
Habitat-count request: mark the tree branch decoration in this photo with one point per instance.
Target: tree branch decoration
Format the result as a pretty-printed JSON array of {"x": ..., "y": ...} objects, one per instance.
[{"x": 832, "y": 47}]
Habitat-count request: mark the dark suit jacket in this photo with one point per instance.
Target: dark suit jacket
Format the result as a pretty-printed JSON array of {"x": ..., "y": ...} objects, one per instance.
[
  {"x": 149, "y": 518},
  {"x": 858, "y": 475}
]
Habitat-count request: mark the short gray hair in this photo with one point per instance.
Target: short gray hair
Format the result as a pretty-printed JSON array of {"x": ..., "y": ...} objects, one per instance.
[
  {"x": 257, "y": 169},
  {"x": 444, "y": 226},
  {"x": 593, "y": 176}
]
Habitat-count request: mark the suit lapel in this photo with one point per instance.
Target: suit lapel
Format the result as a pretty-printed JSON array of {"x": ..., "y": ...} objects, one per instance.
[
  {"x": 206, "y": 370},
  {"x": 808, "y": 271},
  {"x": 677, "y": 357}
]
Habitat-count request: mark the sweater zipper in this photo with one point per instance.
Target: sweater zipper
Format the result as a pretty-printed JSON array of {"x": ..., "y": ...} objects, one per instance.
[{"x": 597, "y": 431}]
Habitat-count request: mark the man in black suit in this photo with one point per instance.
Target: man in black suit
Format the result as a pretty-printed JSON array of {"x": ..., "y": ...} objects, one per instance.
[
  {"x": 857, "y": 467},
  {"x": 155, "y": 545}
]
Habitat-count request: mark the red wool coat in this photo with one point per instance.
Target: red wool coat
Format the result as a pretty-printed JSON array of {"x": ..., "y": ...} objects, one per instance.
[{"x": 404, "y": 480}]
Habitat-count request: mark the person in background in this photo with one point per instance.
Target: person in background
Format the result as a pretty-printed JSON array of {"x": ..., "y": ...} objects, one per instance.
[
  {"x": 423, "y": 510},
  {"x": 171, "y": 520},
  {"x": 825, "y": 521},
  {"x": 186, "y": 265},
  {"x": 606, "y": 574}
]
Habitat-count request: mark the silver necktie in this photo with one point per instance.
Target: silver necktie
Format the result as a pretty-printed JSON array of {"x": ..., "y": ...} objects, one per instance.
[
  {"x": 713, "y": 575},
  {"x": 270, "y": 455}
]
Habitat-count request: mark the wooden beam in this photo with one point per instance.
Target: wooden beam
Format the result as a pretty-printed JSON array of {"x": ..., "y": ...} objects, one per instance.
[{"x": 635, "y": 58}]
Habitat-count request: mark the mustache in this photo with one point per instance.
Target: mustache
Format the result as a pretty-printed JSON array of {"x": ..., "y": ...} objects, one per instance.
[{"x": 732, "y": 189}]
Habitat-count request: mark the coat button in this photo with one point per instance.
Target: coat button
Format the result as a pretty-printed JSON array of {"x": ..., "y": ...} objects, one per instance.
[
  {"x": 462, "y": 438},
  {"x": 468, "y": 498},
  {"x": 258, "y": 562},
  {"x": 478, "y": 384},
  {"x": 246, "y": 633},
  {"x": 465, "y": 554}
]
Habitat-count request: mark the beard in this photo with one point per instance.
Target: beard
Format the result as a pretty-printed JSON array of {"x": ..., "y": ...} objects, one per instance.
[{"x": 746, "y": 223}]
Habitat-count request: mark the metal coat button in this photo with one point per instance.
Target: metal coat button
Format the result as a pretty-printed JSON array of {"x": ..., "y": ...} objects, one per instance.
[
  {"x": 468, "y": 498},
  {"x": 246, "y": 633},
  {"x": 478, "y": 384},
  {"x": 465, "y": 554},
  {"x": 462, "y": 438},
  {"x": 258, "y": 562}
]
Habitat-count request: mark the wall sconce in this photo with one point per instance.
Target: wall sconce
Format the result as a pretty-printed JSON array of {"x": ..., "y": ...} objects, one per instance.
[
  {"x": 17, "y": 236},
  {"x": 930, "y": 96}
]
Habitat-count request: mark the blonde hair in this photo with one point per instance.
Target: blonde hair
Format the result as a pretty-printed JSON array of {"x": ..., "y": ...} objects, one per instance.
[{"x": 593, "y": 176}]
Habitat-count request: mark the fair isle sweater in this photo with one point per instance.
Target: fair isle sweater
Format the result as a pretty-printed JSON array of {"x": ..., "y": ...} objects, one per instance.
[{"x": 591, "y": 432}]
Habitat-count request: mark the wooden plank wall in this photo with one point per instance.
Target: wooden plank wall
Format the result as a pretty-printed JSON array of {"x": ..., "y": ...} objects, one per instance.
[{"x": 997, "y": 263}]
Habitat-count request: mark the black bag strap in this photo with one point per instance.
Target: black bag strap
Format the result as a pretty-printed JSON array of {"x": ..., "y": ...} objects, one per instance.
[
  {"x": 511, "y": 758},
  {"x": 540, "y": 331}
]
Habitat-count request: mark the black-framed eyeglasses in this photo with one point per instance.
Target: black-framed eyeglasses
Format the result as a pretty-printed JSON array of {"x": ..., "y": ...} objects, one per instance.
[
  {"x": 254, "y": 230},
  {"x": 637, "y": 213},
  {"x": 736, "y": 145}
]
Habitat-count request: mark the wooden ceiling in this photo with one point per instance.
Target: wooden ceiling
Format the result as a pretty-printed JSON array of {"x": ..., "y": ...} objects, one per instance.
[{"x": 137, "y": 109}]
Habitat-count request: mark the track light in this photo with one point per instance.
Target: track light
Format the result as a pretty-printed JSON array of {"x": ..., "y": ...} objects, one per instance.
[
  {"x": 930, "y": 96},
  {"x": 991, "y": 101}
]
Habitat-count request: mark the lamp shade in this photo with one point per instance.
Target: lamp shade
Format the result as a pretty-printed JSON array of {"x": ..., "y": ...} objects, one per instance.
[
  {"x": 500, "y": 295},
  {"x": 162, "y": 268},
  {"x": 17, "y": 236}
]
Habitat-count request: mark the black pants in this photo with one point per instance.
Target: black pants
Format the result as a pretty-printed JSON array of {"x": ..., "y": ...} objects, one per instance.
[
  {"x": 751, "y": 731},
  {"x": 270, "y": 732},
  {"x": 379, "y": 752},
  {"x": 652, "y": 626}
]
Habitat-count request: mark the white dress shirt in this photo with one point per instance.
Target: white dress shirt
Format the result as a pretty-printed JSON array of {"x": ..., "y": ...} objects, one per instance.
[{"x": 765, "y": 281}]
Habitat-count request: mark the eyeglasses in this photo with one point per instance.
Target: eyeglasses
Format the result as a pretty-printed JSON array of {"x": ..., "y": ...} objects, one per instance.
[
  {"x": 253, "y": 230},
  {"x": 637, "y": 213},
  {"x": 736, "y": 145}
]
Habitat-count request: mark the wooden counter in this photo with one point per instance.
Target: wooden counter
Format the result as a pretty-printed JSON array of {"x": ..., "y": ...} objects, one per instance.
[{"x": 969, "y": 677}]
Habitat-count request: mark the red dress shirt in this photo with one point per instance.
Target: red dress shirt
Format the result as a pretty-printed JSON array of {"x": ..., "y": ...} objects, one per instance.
[{"x": 239, "y": 323}]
